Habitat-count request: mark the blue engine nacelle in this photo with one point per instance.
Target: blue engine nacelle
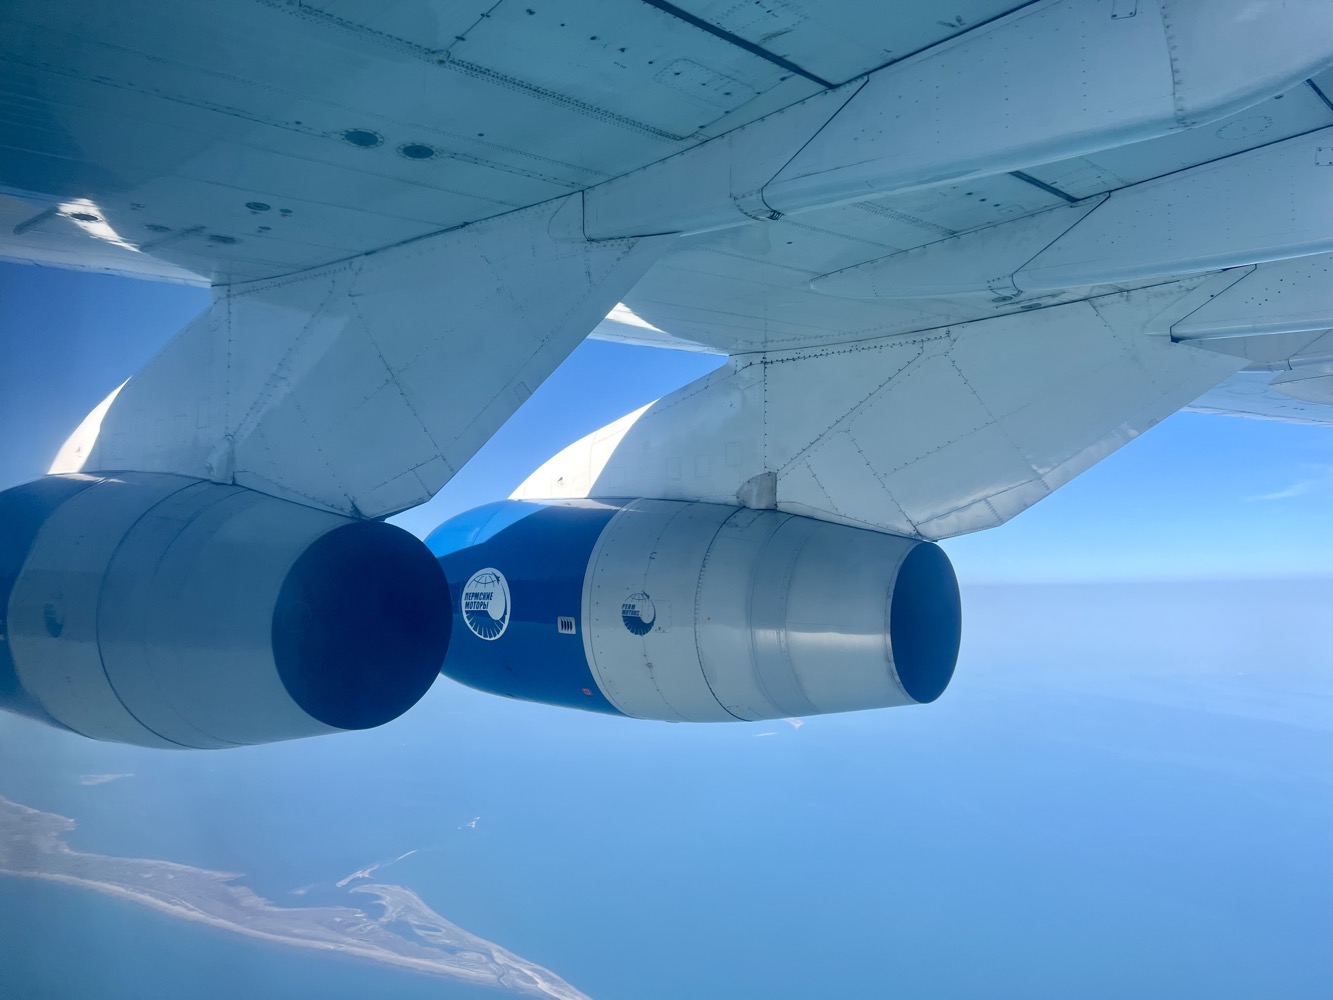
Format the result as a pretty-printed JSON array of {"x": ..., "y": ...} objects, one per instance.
[{"x": 694, "y": 612}]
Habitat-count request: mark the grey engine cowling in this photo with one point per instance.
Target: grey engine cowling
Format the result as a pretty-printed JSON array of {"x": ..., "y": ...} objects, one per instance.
[{"x": 166, "y": 611}]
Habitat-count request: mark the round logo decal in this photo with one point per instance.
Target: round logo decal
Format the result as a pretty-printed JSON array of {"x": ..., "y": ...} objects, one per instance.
[
  {"x": 638, "y": 613},
  {"x": 486, "y": 603}
]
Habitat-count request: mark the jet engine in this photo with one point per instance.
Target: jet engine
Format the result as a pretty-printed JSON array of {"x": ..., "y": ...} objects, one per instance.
[
  {"x": 170, "y": 612},
  {"x": 693, "y": 611}
]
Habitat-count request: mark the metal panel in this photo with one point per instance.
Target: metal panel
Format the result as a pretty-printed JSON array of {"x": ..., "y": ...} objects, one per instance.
[
  {"x": 1061, "y": 79},
  {"x": 53, "y": 610},
  {"x": 961, "y": 430},
  {"x": 207, "y": 678},
  {"x": 656, "y": 549},
  {"x": 957, "y": 208},
  {"x": 1247, "y": 394},
  {"x": 1289, "y": 296},
  {"x": 748, "y": 288},
  {"x": 976, "y": 263},
  {"x": 165, "y": 611},
  {"x": 1277, "y": 202},
  {"x": 357, "y": 127},
  {"x": 838, "y": 41},
  {"x": 629, "y": 61},
  {"x": 1299, "y": 110},
  {"x": 363, "y": 387},
  {"x": 841, "y": 585},
  {"x": 724, "y": 632},
  {"x": 1313, "y": 384},
  {"x": 707, "y": 613}
]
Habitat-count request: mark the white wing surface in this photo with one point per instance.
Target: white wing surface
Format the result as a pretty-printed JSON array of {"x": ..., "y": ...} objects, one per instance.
[
  {"x": 954, "y": 259},
  {"x": 364, "y": 386}
]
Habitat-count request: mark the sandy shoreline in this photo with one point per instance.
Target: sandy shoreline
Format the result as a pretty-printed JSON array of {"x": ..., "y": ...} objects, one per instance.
[{"x": 33, "y": 848}]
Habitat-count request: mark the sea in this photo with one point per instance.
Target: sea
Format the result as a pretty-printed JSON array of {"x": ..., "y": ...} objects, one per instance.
[{"x": 1127, "y": 791}]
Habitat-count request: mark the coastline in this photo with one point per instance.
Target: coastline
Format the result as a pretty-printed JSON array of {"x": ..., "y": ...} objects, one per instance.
[{"x": 211, "y": 898}]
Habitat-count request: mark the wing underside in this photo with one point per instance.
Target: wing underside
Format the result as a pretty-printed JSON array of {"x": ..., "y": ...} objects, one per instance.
[{"x": 953, "y": 260}]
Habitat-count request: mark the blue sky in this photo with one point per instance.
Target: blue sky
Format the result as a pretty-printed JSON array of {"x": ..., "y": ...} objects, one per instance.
[{"x": 1125, "y": 792}]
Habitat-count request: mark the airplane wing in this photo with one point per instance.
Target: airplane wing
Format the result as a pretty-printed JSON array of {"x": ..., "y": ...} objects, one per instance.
[
  {"x": 1250, "y": 394},
  {"x": 953, "y": 261}
]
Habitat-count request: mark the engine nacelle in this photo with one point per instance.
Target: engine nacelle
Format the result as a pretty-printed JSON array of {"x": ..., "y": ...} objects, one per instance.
[
  {"x": 694, "y": 612},
  {"x": 165, "y": 611}
]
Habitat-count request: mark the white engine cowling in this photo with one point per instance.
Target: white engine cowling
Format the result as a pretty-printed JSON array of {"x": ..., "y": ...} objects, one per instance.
[{"x": 165, "y": 611}]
